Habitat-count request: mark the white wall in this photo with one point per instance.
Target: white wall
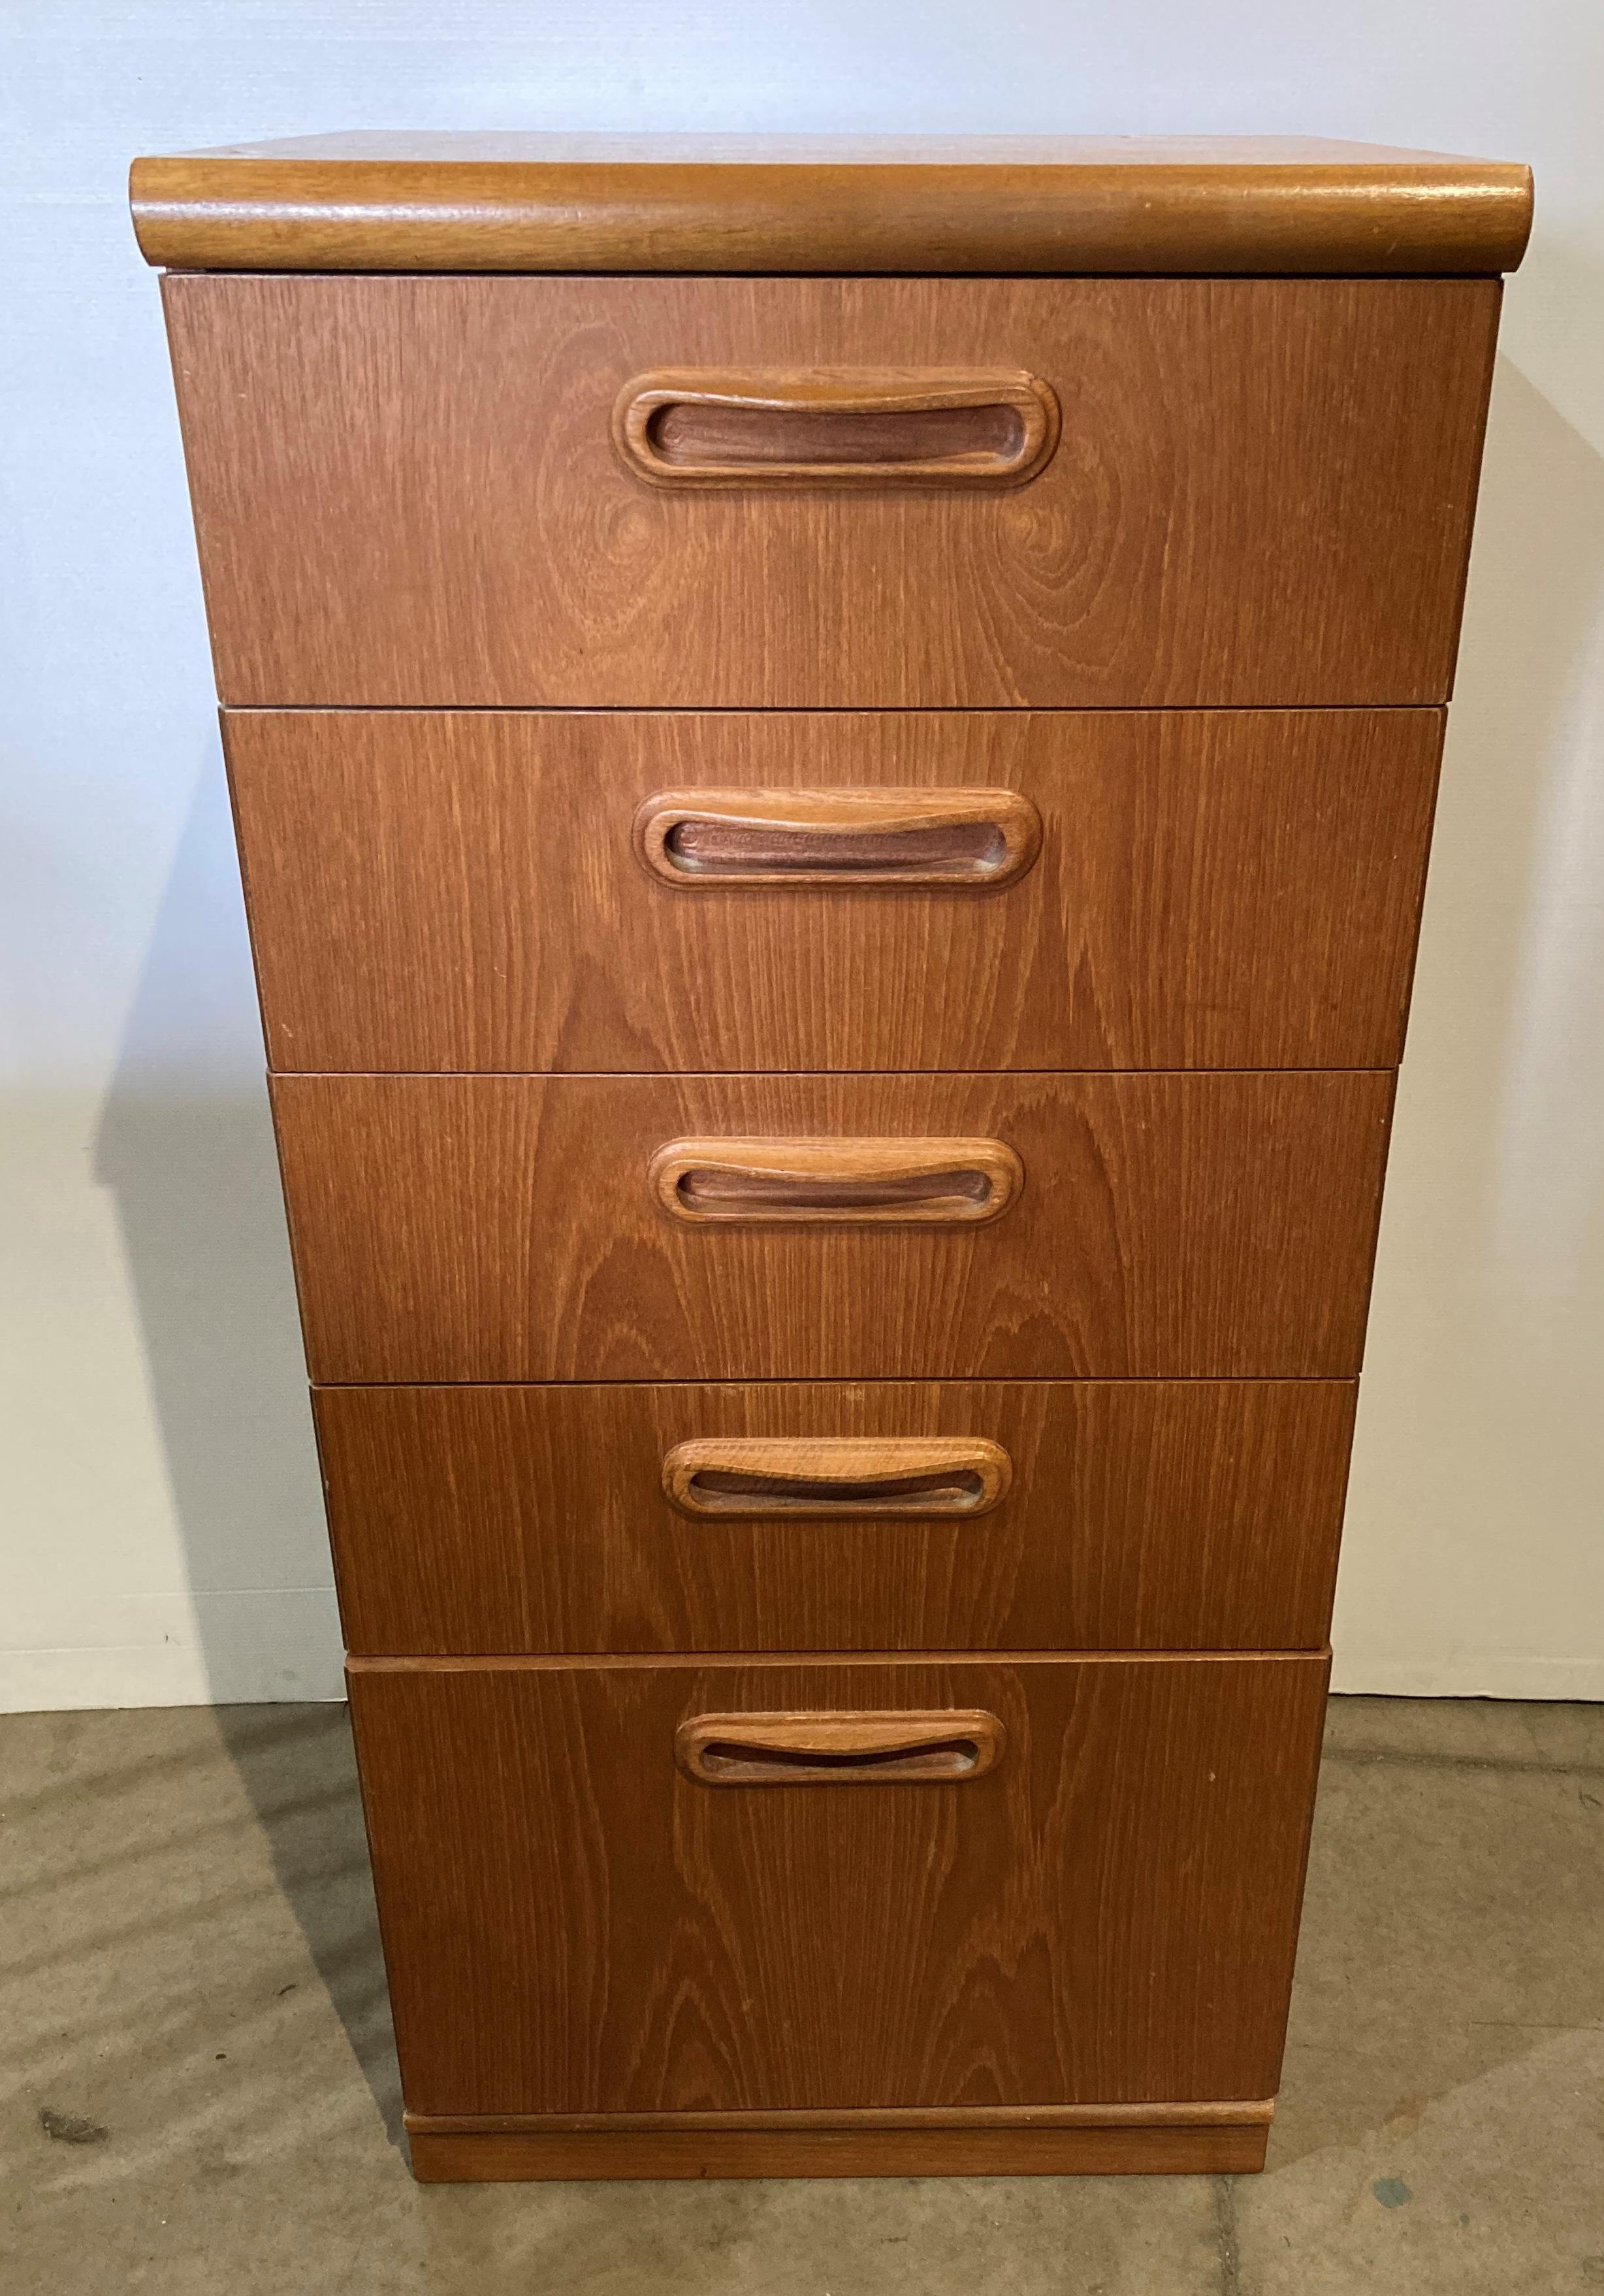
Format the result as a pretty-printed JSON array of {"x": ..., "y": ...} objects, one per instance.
[{"x": 157, "y": 1484}]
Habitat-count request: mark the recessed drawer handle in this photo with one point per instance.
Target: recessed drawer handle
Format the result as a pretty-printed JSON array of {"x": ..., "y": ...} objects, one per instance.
[
  {"x": 799, "y": 1750},
  {"x": 883, "y": 1183},
  {"x": 913, "y": 1475},
  {"x": 703, "y": 839},
  {"x": 713, "y": 427}
]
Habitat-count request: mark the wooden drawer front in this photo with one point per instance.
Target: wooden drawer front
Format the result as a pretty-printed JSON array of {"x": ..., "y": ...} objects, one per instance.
[
  {"x": 513, "y": 1228},
  {"x": 1213, "y": 890},
  {"x": 1136, "y": 1515},
  {"x": 573, "y": 1923},
  {"x": 408, "y": 492}
]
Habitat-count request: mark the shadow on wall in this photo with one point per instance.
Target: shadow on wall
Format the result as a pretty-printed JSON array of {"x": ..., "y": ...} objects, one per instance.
[
  {"x": 1470, "y": 1558},
  {"x": 187, "y": 1147}
]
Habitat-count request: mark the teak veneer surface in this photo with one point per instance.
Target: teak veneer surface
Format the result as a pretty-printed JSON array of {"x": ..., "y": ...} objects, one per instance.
[
  {"x": 926, "y": 2120},
  {"x": 833, "y": 863},
  {"x": 459, "y": 891},
  {"x": 502, "y": 1229},
  {"x": 532, "y": 202},
  {"x": 407, "y": 495},
  {"x": 1107, "y": 1915},
  {"x": 1139, "y": 1515},
  {"x": 974, "y": 2149}
]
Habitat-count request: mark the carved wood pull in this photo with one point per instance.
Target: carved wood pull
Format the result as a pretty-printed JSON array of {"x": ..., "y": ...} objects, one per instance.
[
  {"x": 841, "y": 838},
  {"x": 881, "y": 1183},
  {"x": 710, "y": 426},
  {"x": 796, "y": 1750},
  {"x": 762, "y": 1476}
]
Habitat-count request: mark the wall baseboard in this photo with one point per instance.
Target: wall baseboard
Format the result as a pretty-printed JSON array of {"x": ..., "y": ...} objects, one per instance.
[
  {"x": 270, "y": 1644},
  {"x": 1474, "y": 1674},
  {"x": 254, "y": 1646}
]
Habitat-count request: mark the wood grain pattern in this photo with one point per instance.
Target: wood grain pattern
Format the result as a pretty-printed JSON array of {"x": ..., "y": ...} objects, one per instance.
[
  {"x": 1195, "y": 1515},
  {"x": 1173, "y": 2149},
  {"x": 502, "y": 1229},
  {"x": 407, "y": 495},
  {"x": 816, "y": 1476},
  {"x": 879, "y": 1748},
  {"x": 1228, "y": 889},
  {"x": 1047, "y": 1338},
  {"x": 703, "y": 426},
  {"x": 1107, "y": 1918},
  {"x": 510, "y": 202},
  {"x": 1232, "y": 2113}
]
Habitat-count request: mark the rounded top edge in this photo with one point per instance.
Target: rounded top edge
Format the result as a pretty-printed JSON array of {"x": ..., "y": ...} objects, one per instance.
[{"x": 991, "y": 205}]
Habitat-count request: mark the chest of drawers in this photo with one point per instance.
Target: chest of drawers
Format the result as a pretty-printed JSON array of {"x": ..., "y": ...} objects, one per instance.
[{"x": 833, "y": 750}]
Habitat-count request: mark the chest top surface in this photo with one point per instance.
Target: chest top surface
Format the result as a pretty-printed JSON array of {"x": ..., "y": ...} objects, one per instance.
[{"x": 1027, "y": 204}]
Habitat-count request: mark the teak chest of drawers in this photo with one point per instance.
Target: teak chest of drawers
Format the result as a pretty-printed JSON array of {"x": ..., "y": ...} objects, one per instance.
[{"x": 833, "y": 750}]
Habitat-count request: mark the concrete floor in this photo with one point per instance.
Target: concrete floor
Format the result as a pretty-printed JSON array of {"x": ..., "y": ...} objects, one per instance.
[{"x": 191, "y": 1999}]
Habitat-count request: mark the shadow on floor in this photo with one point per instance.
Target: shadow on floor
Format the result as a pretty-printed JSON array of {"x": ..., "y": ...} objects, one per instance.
[{"x": 299, "y": 1768}]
